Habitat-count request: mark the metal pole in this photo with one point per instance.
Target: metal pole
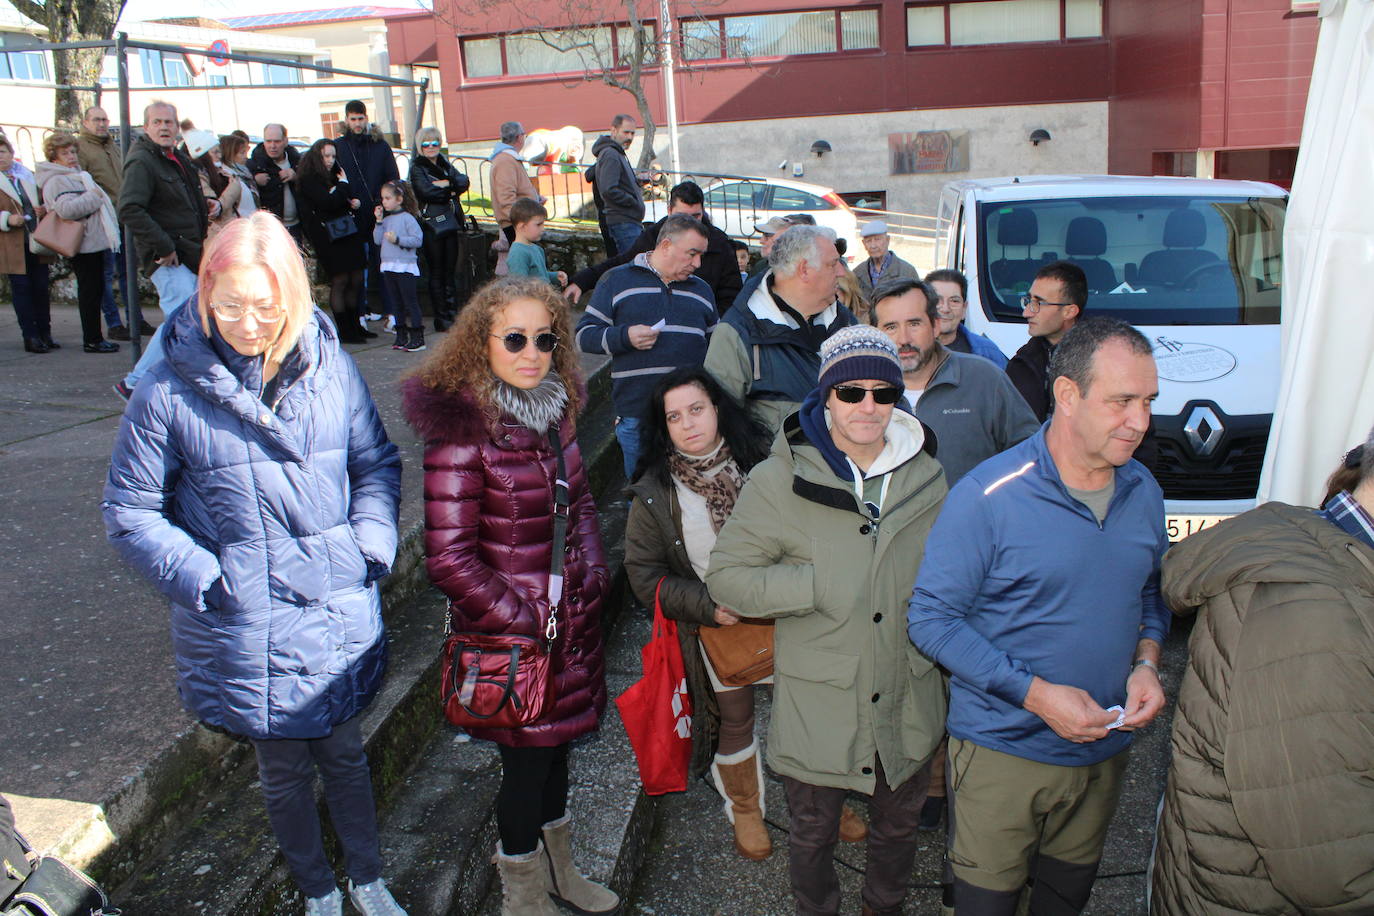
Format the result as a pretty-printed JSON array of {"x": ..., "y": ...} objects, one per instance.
[
  {"x": 420, "y": 110},
  {"x": 665, "y": 26},
  {"x": 133, "y": 315}
]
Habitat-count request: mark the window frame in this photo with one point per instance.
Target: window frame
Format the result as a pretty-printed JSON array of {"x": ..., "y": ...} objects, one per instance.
[
  {"x": 949, "y": 46},
  {"x": 613, "y": 28},
  {"x": 724, "y": 58}
]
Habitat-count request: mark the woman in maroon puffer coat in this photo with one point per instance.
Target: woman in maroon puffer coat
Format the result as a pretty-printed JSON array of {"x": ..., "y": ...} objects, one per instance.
[{"x": 484, "y": 402}]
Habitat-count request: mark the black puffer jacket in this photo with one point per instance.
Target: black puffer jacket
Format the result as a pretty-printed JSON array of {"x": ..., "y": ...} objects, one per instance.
[
  {"x": 272, "y": 194},
  {"x": 1269, "y": 807}
]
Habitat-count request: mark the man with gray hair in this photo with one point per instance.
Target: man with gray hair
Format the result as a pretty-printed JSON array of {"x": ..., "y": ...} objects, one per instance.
[
  {"x": 650, "y": 316},
  {"x": 766, "y": 351},
  {"x": 273, "y": 164},
  {"x": 509, "y": 180},
  {"x": 1039, "y": 593},
  {"x": 1269, "y": 795}
]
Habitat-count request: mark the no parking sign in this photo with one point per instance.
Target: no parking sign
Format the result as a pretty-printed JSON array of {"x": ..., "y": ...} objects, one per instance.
[{"x": 218, "y": 49}]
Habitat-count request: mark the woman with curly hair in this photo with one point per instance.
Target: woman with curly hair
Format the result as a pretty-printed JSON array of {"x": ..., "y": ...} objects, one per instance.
[
  {"x": 490, "y": 402},
  {"x": 325, "y": 199}
]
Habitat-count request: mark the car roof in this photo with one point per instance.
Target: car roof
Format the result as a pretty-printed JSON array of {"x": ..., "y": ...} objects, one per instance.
[
  {"x": 817, "y": 189},
  {"x": 1025, "y": 187}
]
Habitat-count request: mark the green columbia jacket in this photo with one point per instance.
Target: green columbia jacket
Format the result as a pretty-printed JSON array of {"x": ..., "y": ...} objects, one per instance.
[
  {"x": 1270, "y": 802},
  {"x": 801, "y": 548}
]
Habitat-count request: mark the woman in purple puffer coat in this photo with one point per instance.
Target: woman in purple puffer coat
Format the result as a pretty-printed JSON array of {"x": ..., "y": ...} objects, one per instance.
[{"x": 484, "y": 402}]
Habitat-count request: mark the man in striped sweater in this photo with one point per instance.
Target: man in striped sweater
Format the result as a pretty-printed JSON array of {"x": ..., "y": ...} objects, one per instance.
[{"x": 650, "y": 316}]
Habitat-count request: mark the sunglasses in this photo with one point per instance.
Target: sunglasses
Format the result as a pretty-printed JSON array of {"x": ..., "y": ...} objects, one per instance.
[
  {"x": 853, "y": 394},
  {"x": 516, "y": 342},
  {"x": 429, "y": 143}
]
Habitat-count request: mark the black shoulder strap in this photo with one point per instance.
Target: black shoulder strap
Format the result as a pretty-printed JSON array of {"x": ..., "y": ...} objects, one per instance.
[{"x": 561, "y": 492}]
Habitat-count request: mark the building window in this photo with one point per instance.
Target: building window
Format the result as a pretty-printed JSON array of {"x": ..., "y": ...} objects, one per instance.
[
  {"x": 990, "y": 22},
  {"x": 779, "y": 34},
  {"x": 280, "y": 75},
  {"x": 162, "y": 68},
  {"x": 553, "y": 51},
  {"x": 323, "y": 60},
  {"x": 217, "y": 80},
  {"x": 331, "y": 122},
  {"x": 26, "y": 65}
]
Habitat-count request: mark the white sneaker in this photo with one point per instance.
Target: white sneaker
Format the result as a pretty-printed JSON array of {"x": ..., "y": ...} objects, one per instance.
[
  {"x": 372, "y": 316},
  {"x": 362, "y": 320},
  {"x": 374, "y": 899},
  {"x": 390, "y": 323},
  {"x": 332, "y": 905}
]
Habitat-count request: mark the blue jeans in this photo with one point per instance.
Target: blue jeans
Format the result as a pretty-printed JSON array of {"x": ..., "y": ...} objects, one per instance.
[
  {"x": 627, "y": 434},
  {"x": 624, "y": 235},
  {"x": 286, "y": 768},
  {"x": 175, "y": 287},
  {"x": 29, "y": 292},
  {"x": 114, "y": 268}
]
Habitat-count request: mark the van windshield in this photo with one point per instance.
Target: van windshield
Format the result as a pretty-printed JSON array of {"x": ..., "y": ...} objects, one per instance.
[{"x": 1148, "y": 260}]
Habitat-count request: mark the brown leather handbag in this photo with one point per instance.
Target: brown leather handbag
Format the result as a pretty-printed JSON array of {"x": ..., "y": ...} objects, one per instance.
[
  {"x": 741, "y": 654},
  {"x": 56, "y": 235},
  {"x": 504, "y": 680}
]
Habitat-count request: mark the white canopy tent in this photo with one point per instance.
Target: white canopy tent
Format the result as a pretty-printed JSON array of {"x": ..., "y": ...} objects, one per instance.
[{"x": 1326, "y": 396}]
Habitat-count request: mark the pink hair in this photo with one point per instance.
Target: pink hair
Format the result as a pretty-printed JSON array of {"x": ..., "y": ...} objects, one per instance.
[{"x": 261, "y": 239}]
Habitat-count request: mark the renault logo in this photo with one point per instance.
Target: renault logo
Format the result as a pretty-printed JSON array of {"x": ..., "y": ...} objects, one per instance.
[{"x": 1203, "y": 431}]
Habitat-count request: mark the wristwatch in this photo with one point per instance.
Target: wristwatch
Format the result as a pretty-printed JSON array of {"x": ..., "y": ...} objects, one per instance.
[{"x": 1146, "y": 662}]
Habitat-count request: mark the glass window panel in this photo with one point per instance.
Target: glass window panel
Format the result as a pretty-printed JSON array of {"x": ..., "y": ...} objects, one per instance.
[
  {"x": 565, "y": 51},
  {"x": 780, "y": 35},
  {"x": 1002, "y": 21},
  {"x": 150, "y": 64},
  {"x": 925, "y": 25},
  {"x": 858, "y": 29},
  {"x": 31, "y": 65},
  {"x": 174, "y": 72},
  {"x": 624, "y": 37},
  {"x": 482, "y": 57},
  {"x": 1083, "y": 19},
  {"x": 700, "y": 39},
  {"x": 277, "y": 75},
  {"x": 785, "y": 198}
]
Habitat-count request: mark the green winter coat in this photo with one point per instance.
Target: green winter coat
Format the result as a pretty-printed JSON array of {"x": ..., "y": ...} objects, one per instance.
[
  {"x": 848, "y": 683},
  {"x": 654, "y": 550},
  {"x": 163, "y": 206},
  {"x": 1269, "y": 806}
]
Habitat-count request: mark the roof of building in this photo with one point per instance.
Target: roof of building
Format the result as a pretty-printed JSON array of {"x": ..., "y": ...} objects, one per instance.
[{"x": 315, "y": 17}]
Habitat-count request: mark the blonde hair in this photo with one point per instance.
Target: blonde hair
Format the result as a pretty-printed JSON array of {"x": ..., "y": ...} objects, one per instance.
[
  {"x": 460, "y": 365},
  {"x": 263, "y": 241},
  {"x": 55, "y": 141},
  {"x": 851, "y": 295},
  {"x": 428, "y": 133}
]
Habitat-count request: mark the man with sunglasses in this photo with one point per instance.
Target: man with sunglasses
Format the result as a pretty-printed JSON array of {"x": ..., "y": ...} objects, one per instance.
[
  {"x": 822, "y": 540},
  {"x": 650, "y": 316},
  {"x": 1056, "y": 300},
  {"x": 1039, "y": 593}
]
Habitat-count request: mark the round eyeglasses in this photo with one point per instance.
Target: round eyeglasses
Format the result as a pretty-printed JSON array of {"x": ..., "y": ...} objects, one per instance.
[
  {"x": 516, "y": 342},
  {"x": 234, "y": 311}
]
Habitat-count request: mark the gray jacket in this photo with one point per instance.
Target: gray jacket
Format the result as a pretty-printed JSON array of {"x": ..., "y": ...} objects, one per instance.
[
  {"x": 975, "y": 412},
  {"x": 621, "y": 199}
]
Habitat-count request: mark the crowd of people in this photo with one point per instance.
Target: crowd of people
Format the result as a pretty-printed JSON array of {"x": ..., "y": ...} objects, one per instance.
[{"x": 956, "y": 563}]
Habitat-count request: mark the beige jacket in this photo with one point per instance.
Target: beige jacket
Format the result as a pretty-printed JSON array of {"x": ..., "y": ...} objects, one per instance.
[{"x": 509, "y": 183}]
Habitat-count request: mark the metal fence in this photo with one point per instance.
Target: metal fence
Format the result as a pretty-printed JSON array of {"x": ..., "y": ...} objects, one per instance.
[{"x": 735, "y": 203}]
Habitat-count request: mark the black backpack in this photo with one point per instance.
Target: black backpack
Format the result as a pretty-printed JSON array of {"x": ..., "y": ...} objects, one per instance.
[{"x": 42, "y": 885}]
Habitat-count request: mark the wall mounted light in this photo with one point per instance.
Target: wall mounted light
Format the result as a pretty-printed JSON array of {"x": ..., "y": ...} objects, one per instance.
[
  {"x": 1039, "y": 136},
  {"x": 820, "y": 148}
]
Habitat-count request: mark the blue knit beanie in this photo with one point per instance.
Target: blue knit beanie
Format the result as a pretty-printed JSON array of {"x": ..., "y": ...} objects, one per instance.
[{"x": 859, "y": 351}]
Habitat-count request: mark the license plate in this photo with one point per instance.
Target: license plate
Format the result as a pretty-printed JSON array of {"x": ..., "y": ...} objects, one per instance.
[{"x": 1180, "y": 526}]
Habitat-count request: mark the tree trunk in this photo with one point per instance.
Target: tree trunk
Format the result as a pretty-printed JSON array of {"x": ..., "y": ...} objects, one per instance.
[
  {"x": 75, "y": 20},
  {"x": 646, "y": 117}
]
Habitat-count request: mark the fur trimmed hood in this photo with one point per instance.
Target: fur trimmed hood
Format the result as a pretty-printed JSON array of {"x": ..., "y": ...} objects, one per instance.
[{"x": 441, "y": 416}]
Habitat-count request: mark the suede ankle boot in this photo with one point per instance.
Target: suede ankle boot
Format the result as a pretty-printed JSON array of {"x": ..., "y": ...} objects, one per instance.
[
  {"x": 739, "y": 779},
  {"x": 566, "y": 884},
  {"x": 525, "y": 884}
]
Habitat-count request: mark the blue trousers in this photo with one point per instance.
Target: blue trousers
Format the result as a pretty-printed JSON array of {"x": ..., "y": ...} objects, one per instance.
[
  {"x": 114, "y": 268},
  {"x": 627, "y": 434},
  {"x": 29, "y": 290},
  {"x": 286, "y": 768},
  {"x": 624, "y": 235}
]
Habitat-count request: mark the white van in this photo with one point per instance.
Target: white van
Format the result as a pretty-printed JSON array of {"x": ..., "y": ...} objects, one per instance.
[{"x": 1194, "y": 263}]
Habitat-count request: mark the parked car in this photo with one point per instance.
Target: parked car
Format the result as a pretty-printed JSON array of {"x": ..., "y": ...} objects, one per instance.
[
  {"x": 737, "y": 204},
  {"x": 1194, "y": 263}
]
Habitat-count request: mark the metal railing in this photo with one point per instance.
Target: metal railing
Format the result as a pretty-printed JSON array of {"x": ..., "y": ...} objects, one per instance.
[{"x": 734, "y": 210}]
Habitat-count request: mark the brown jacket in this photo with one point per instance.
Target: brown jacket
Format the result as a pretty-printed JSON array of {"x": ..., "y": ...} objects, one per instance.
[
  {"x": 509, "y": 183},
  {"x": 13, "y": 239},
  {"x": 1269, "y": 807},
  {"x": 100, "y": 156},
  {"x": 654, "y": 550}
]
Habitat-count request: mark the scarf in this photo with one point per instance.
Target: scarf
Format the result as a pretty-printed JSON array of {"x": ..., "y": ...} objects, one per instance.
[
  {"x": 245, "y": 178},
  {"x": 108, "y": 222},
  {"x": 537, "y": 409},
  {"x": 720, "y": 489}
]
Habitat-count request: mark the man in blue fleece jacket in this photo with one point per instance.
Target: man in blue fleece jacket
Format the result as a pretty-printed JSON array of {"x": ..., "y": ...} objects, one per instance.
[
  {"x": 650, "y": 316},
  {"x": 1039, "y": 592}
]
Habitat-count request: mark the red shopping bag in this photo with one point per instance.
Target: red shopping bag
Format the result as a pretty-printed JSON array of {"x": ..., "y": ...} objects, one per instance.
[{"x": 657, "y": 711}]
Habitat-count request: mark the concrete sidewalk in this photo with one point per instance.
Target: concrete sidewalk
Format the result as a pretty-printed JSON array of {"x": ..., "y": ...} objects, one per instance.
[{"x": 97, "y": 748}]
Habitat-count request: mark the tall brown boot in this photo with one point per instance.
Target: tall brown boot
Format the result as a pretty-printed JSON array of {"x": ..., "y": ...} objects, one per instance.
[
  {"x": 739, "y": 779},
  {"x": 566, "y": 884}
]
